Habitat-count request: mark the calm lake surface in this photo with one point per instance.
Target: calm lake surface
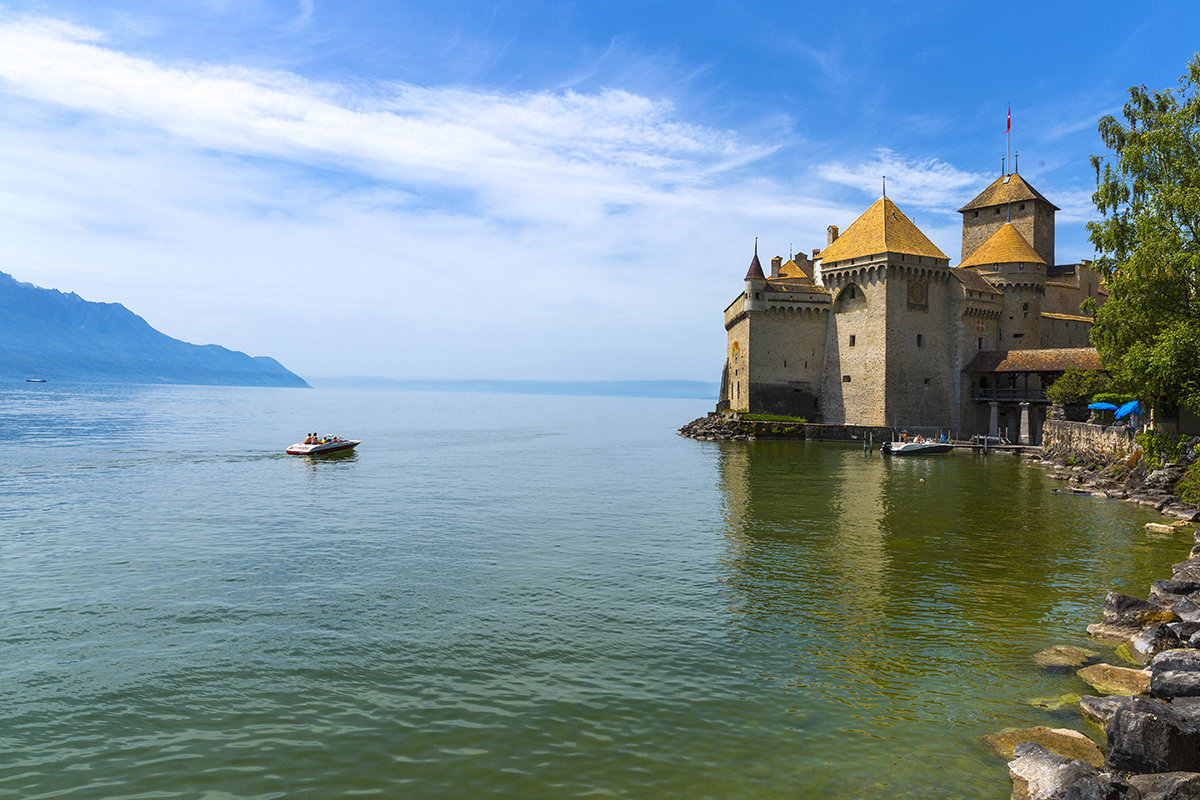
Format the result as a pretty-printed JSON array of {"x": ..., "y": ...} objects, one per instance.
[{"x": 519, "y": 596}]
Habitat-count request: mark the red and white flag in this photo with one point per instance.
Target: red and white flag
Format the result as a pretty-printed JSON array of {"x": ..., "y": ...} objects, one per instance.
[{"x": 1009, "y": 128}]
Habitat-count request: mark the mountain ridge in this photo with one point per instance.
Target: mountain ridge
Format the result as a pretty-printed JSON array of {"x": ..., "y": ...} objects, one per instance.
[{"x": 47, "y": 333}]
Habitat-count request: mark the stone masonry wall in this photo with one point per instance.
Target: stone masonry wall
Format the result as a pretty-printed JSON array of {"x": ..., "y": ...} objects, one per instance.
[{"x": 1062, "y": 440}]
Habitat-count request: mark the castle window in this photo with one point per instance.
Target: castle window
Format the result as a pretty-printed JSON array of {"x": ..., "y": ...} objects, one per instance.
[
  {"x": 1021, "y": 207},
  {"x": 920, "y": 340},
  {"x": 845, "y": 379},
  {"x": 1018, "y": 336},
  {"x": 980, "y": 347},
  {"x": 852, "y": 340},
  {"x": 1025, "y": 306},
  {"x": 977, "y": 215},
  {"x": 927, "y": 381},
  {"x": 851, "y": 293},
  {"x": 997, "y": 211}
]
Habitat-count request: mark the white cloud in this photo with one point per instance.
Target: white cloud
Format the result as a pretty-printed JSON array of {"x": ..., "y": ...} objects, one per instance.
[
  {"x": 923, "y": 183},
  {"x": 388, "y": 229}
]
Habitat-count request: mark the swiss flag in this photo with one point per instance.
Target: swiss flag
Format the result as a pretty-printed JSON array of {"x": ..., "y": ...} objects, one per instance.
[{"x": 1009, "y": 128}]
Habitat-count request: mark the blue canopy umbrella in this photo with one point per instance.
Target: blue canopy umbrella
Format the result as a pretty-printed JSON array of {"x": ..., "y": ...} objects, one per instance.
[
  {"x": 1127, "y": 409},
  {"x": 1102, "y": 407}
]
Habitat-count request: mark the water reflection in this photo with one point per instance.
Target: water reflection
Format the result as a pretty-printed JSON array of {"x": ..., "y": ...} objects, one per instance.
[{"x": 901, "y": 599}]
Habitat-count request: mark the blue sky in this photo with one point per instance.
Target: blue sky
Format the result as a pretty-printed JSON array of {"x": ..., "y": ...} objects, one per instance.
[{"x": 529, "y": 190}]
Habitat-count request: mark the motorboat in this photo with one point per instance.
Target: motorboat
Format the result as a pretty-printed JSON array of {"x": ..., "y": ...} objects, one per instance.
[
  {"x": 35, "y": 380},
  {"x": 915, "y": 448},
  {"x": 330, "y": 444}
]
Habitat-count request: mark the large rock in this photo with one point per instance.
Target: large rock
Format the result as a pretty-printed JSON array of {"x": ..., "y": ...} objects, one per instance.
[
  {"x": 1107, "y": 679},
  {"x": 1125, "y": 617},
  {"x": 1064, "y": 656},
  {"x": 1152, "y": 641},
  {"x": 1098, "y": 709},
  {"x": 1063, "y": 741},
  {"x": 1167, "y": 786},
  {"x": 1038, "y": 774},
  {"x": 1146, "y": 735},
  {"x": 1175, "y": 673},
  {"x": 1187, "y": 608}
]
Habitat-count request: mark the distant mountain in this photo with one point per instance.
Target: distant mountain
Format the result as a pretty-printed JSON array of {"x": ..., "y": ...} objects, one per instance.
[
  {"x": 698, "y": 390},
  {"x": 47, "y": 334}
]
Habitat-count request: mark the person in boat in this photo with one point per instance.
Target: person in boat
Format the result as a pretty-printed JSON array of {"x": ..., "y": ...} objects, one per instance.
[{"x": 308, "y": 438}]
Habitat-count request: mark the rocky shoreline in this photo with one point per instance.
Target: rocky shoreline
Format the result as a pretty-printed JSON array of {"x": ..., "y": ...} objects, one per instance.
[{"x": 1150, "y": 712}]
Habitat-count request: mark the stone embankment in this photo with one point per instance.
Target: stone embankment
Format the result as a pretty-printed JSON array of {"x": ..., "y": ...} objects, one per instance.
[
  {"x": 1149, "y": 712},
  {"x": 733, "y": 427}
]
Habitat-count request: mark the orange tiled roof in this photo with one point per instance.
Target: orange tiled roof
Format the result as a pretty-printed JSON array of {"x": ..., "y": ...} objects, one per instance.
[
  {"x": 1005, "y": 246},
  {"x": 882, "y": 228},
  {"x": 793, "y": 270},
  {"x": 974, "y": 281},
  {"x": 1059, "y": 359},
  {"x": 1006, "y": 189}
]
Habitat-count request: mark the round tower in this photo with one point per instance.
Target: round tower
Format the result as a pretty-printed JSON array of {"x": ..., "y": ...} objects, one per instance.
[
  {"x": 1008, "y": 262},
  {"x": 756, "y": 284}
]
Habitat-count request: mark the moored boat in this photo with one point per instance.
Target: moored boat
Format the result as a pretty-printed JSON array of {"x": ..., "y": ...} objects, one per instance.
[
  {"x": 330, "y": 444},
  {"x": 915, "y": 448}
]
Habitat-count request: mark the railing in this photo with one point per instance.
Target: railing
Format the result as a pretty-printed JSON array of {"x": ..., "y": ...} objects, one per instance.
[{"x": 1015, "y": 395}]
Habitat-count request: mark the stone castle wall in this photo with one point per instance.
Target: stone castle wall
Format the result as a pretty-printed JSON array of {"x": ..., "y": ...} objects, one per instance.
[{"x": 1082, "y": 441}]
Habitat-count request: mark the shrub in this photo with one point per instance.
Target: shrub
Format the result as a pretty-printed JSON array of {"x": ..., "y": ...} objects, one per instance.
[
  {"x": 1162, "y": 448},
  {"x": 1113, "y": 397},
  {"x": 1077, "y": 386},
  {"x": 1188, "y": 487}
]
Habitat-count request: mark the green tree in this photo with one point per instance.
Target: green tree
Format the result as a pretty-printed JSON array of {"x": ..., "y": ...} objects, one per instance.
[
  {"x": 1148, "y": 191},
  {"x": 1077, "y": 386}
]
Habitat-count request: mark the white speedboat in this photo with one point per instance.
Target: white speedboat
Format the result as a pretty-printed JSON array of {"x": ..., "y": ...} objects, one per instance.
[
  {"x": 915, "y": 448},
  {"x": 332, "y": 445}
]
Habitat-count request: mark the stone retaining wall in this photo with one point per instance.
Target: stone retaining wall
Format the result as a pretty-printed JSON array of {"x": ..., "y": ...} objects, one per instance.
[{"x": 1083, "y": 441}]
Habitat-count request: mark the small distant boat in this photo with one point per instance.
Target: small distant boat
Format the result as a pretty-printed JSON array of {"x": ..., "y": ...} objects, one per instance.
[
  {"x": 35, "y": 380},
  {"x": 915, "y": 448},
  {"x": 333, "y": 445}
]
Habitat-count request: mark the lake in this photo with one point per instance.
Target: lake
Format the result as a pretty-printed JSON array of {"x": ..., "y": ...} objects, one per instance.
[{"x": 519, "y": 596}]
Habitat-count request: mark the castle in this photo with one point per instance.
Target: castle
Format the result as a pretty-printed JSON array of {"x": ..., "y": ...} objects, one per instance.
[{"x": 892, "y": 335}]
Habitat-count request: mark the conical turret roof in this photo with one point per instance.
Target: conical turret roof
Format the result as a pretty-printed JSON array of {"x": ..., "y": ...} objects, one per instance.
[
  {"x": 1005, "y": 246},
  {"x": 882, "y": 228},
  {"x": 755, "y": 267}
]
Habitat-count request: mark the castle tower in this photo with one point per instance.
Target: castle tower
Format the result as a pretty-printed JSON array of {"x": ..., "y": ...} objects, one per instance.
[
  {"x": 1010, "y": 198},
  {"x": 888, "y": 345},
  {"x": 775, "y": 341},
  {"x": 1008, "y": 262}
]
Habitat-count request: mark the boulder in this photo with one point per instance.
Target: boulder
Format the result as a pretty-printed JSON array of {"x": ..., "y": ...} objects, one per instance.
[
  {"x": 1107, "y": 679},
  {"x": 1167, "y": 786},
  {"x": 1113, "y": 632},
  {"x": 1098, "y": 710},
  {"x": 1152, "y": 641},
  {"x": 1147, "y": 735},
  {"x": 1182, "y": 511},
  {"x": 1175, "y": 673},
  {"x": 1123, "y": 610},
  {"x": 1174, "y": 588},
  {"x": 1158, "y": 527},
  {"x": 1064, "y": 655},
  {"x": 1038, "y": 774},
  {"x": 1063, "y": 741},
  {"x": 1184, "y": 630},
  {"x": 1187, "y": 609}
]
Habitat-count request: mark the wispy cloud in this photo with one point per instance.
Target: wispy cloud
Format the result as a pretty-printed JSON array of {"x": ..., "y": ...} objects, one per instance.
[
  {"x": 462, "y": 227},
  {"x": 928, "y": 183}
]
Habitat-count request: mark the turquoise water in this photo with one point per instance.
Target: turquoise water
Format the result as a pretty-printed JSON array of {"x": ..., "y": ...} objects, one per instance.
[{"x": 536, "y": 597}]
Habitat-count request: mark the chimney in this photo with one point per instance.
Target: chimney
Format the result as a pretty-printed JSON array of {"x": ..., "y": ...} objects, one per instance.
[
  {"x": 776, "y": 262},
  {"x": 816, "y": 253},
  {"x": 831, "y": 234}
]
